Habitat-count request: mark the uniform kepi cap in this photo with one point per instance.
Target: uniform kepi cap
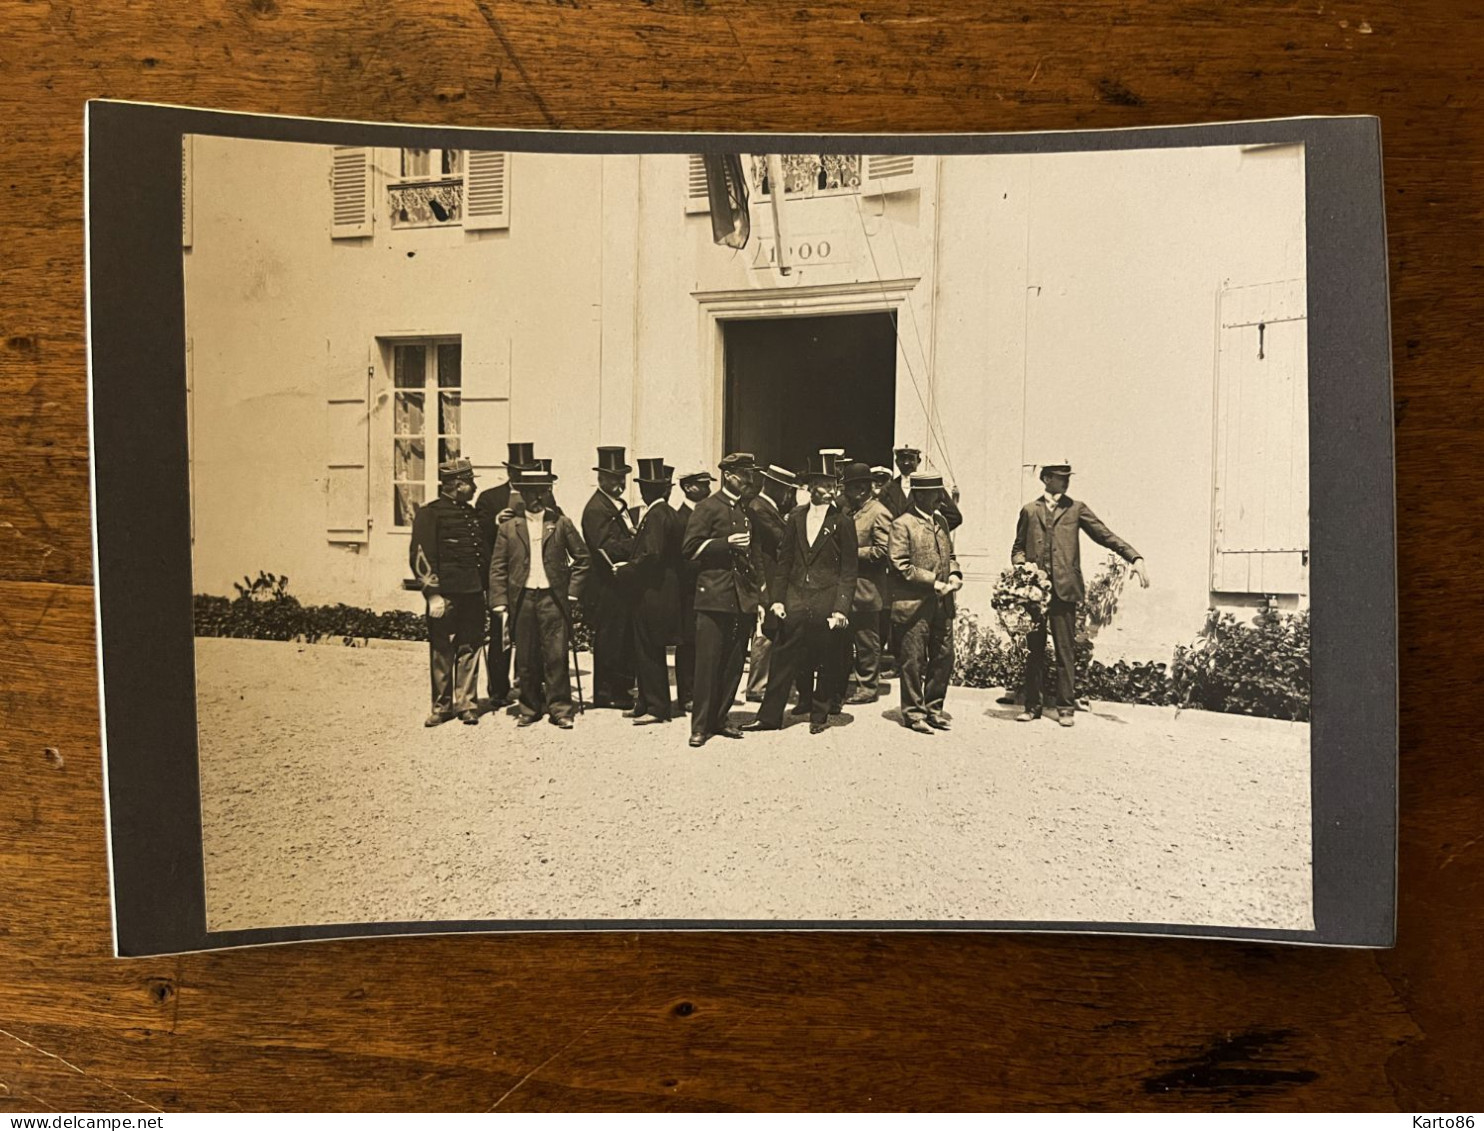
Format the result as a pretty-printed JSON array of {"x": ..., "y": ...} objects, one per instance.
[
  {"x": 855, "y": 472},
  {"x": 1062, "y": 468},
  {"x": 927, "y": 482},
  {"x": 453, "y": 468},
  {"x": 652, "y": 471},
  {"x": 611, "y": 459},
  {"x": 738, "y": 461},
  {"x": 781, "y": 475},
  {"x": 521, "y": 455},
  {"x": 905, "y": 448}
]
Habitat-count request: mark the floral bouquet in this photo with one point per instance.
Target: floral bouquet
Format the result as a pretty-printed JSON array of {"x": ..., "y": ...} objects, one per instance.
[{"x": 1020, "y": 598}]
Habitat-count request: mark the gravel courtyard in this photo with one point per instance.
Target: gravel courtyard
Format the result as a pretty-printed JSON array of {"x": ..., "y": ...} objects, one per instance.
[{"x": 324, "y": 800}]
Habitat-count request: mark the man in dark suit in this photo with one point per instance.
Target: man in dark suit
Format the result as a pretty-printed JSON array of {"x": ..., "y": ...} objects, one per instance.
[
  {"x": 493, "y": 507},
  {"x": 608, "y": 602},
  {"x": 657, "y": 569},
  {"x": 447, "y": 556},
  {"x": 923, "y": 604},
  {"x": 729, "y": 582},
  {"x": 896, "y": 494},
  {"x": 1048, "y": 534},
  {"x": 536, "y": 573},
  {"x": 815, "y": 585},
  {"x": 873, "y": 537},
  {"x": 695, "y": 486},
  {"x": 777, "y": 495}
]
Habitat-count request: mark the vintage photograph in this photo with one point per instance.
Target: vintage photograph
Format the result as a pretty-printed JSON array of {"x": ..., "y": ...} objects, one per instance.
[{"x": 750, "y": 537}]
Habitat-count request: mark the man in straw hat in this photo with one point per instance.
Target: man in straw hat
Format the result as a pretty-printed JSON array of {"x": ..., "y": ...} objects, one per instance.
[
  {"x": 729, "y": 582},
  {"x": 896, "y": 494},
  {"x": 873, "y": 540},
  {"x": 447, "y": 554},
  {"x": 537, "y": 572},
  {"x": 657, "y": 570},
  {"x": 923, "y": 604},
  {"x": 695, "y": 485},
  {"x": 815, "y": 585},
  {"x": 1048, "y": 534},
  {"x": 769, "y": 509},
  {"x": 608, "y": 602}
]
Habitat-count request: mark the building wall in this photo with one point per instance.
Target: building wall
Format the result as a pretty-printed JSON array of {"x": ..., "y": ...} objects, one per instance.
[{"x": 1048, "y": 306}]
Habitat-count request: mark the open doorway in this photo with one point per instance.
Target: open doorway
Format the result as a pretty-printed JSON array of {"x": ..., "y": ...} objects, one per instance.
[{"x": 795, "y": 385}]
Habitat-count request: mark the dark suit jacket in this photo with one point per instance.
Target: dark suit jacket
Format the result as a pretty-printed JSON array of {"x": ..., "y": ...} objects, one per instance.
[
  {"x": 817, "y": 580},
  {"x": 768, "y": 527},
  {"x": 562, "y": 553},
  {"x": 727, "y": 580},
  {"x": 607, "y": 539},
  {"x": 895, "y": 499},
  {"x": 1052, "y": 542},
  {"x": 489, "y": 504},
  {"x": 657, "y": 572}
]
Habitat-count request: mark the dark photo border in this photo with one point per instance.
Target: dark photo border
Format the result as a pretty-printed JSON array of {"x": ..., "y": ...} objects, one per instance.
[{"x": 141, "y": 510}]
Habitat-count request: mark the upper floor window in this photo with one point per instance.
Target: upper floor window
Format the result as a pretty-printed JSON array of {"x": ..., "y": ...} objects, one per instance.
[
  {"x": 811, "y": 174},
  {"x": 430, "y": 191}
]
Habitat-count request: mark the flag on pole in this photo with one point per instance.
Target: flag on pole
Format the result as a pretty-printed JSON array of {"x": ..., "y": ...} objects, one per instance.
[{"x": 726, "y": 187}]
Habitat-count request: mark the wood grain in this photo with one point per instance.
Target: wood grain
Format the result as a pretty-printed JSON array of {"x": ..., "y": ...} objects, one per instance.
[{"x": 741, "y": 1021}]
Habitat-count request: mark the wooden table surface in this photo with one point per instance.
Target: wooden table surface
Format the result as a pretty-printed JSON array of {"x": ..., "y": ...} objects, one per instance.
[{"x": 745, "y": 1021}]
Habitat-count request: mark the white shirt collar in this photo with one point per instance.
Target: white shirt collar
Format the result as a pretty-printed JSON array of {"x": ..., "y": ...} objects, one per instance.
[
  {"x": 731, "y": 498},
  {"x": 1052, "y": 501}
]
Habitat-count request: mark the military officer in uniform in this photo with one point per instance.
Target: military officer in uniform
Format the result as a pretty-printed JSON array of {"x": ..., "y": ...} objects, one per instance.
[
  {"x": 813, "y": 591},
  {"x": 695, "y": 486},
  {"x": 923, "y": 604},
  {"x": 608, "y": 601},
  {"x": 447, "y": 555},
  {"x": 873, "y": 539},
  {"x": 657, "y": 570},
  {"x": 775, "y": 500},
  {"x": 729, "y": 581},
  {"x": 1048, "y": 534},
  {"x": 536, "y": 573}
]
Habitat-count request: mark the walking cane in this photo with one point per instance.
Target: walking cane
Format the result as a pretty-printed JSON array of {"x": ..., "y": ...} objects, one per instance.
[{"x": 577, "y": 674}]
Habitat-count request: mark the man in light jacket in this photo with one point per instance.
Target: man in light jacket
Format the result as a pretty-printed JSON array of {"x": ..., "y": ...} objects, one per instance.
[{"x": 923, "y": 604}]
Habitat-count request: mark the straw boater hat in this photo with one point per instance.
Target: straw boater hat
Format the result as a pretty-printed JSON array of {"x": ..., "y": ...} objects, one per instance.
[
  {"x": 780, "y": 475},
  {"x": 699, "y": 473},
  {"x": 611, "y": 459},
  {"x": 454, "y": 468},
  {"x": 927, "y": 481},
  {"x": 652, "y": 471},
  {"x": 521, "y": 455}
]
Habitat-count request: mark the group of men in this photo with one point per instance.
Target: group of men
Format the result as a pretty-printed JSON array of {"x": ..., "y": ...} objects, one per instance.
[{"x": 821, "y": 593}]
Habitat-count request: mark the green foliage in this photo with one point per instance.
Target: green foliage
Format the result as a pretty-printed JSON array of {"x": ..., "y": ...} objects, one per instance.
[{"x": 264, "y": 610}]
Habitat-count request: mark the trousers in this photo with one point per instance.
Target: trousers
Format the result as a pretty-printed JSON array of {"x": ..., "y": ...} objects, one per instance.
[
  {"x": 652, "y": 670},
  {"x": 759, "y": 662},
  {"x": 721, "y": 648},
  {"x": 454, "y": 641},
  {"x": 613, "y": 651},
  {"x": 865, "y": 630},
  {"x": 1061, "y": 619},
  {"x": 807, "y": 655},
  {"x": 541, "y": 641},
  {"x": 497, "y": 660},
  {"x": 925, "y": 659}
]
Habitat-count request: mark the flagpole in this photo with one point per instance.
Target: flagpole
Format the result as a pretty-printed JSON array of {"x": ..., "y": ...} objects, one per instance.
[{"x": 780, "y": 233}]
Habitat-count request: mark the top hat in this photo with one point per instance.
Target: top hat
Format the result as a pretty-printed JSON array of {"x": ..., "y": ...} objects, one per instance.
[
  {"x": 905, "y": 448},
  {"x": 881, "y": 473},
  {"x": 927, "y": 481},
  {"x": 738, "y": 461},
  {"x": 545, "y": 466},
  {"x": 611, "y": 459},
  {"x": 700, "y": 474},
  {"x": 534, "y": 476},
  {"x": 855, "y": 472},
  {"x": 453, "y": 468},
  {"x": 521, "y": 455},
  {"x": 669, "y": 473},
  {"x": 652, "y": 471},
  {"x": 1062, "y": 468},
  {"x": 781, "y": 475},
  {"x": 820, "y": 467}
]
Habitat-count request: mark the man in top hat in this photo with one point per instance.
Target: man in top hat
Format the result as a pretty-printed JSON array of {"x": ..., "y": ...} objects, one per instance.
[
  {"x": 923, "y": 604},
  {"x": 815, "y": 586},
  {"x": 873, "y": 541},
  {"x": 896, "y": 493},
  {"x": 769, "y": 509},
  {"x": 1048, "y": 534},
  {"x": 447, "y": 555},
  {"x": 608, "y": 601},
  {"x": 536, "y": 572},
  {"x": 695, "y": 486},
  {"x": 657, "y": 570},
  {"x": 729, "y": 582}
]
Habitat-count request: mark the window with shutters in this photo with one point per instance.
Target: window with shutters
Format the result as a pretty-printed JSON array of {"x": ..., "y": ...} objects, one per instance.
[
  {"x": 427, "y": 381},
  {"x": 813, "y": 175},
  {"x": 429, "y": 189}
]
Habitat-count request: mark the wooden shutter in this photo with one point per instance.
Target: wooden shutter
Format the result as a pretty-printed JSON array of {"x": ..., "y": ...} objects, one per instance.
[
  {"x": 187, "y": 217},
  {"x": 1261, "y": 489},
  {"x": 697, "y": 199},
  {"x": 484, "y": 424},
  {"x": 347, "y": 477},
  {"x": 350, "y": 187},
  {"x": 486, "y": 190},
  {"x": 888, "y": 172}
]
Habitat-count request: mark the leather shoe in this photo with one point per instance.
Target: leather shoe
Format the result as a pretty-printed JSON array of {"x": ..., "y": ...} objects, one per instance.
[
  {"x": 801, "y": 709},
  {"x": 699, "y": 739},
  {"x": 938, "y": 724},
  {"x": 527, "y": 720},
  {"x": 818, "y": 728},
  {"x": 1066, "y": 720},
  {"x": 920, "y": 727},
  {"x": 729, "y": 732},
  {"x": 861, "y": 697},
  {"x": 757, "y": 724},
  {"x": 648, "y": 720},
  {"x": 564, "y": 723},
  {"x": 469, "y": 718},
  {"x": 436, "y": 719},
  {"x": 1027, "y": 716}
]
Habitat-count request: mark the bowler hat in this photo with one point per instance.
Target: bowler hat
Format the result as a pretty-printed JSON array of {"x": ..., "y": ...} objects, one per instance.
[
  {"x": 521, "y": 455},
  {"x": 453, "y": 468},
  {"x": 819, "y": 467},
  {"x": 738, "y": 461},
  {"x": 611, "y": 459},
  {"x": 652, "y": 471},
  {"x": 855, "y": 472}
]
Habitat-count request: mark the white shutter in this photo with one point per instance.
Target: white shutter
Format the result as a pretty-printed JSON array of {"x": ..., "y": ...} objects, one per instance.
[
  {"x": 1261, "y": 489},
  {"x": 348, "y": 440},
  {"x": 187, "y": 218},
  {"x": 350, "y": 188},
  {"x": 887, "y": 172},
  {"x": 484, "y": 422},
  {"x": 697, "y": 199},
  {"x": 486, "y": 190}
]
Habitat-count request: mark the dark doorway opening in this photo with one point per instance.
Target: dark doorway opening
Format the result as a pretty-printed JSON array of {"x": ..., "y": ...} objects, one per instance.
[{"x": 795, "y": 385}]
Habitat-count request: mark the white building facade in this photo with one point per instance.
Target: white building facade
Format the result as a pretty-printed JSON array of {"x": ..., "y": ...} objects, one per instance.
[{"x": 354, "y": 315}]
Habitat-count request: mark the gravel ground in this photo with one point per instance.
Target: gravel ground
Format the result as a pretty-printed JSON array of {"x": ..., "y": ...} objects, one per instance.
[{"x": 325, "y": 800}]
